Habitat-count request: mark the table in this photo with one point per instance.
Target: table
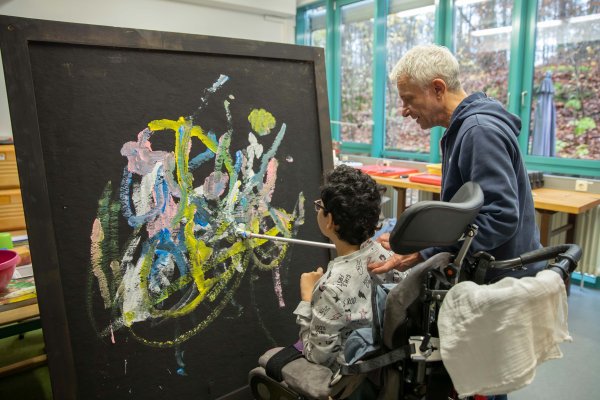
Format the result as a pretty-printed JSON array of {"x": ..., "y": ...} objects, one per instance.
[
  {"x": 546, "y": 201},
  {"x": 15, "y": 321},
  {"x": 550, "y": 201},
  {"x": 401, "y": 184}
]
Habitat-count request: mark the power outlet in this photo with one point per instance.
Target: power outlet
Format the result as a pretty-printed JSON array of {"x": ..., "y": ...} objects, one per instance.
[{"x": 582, "y": 185}]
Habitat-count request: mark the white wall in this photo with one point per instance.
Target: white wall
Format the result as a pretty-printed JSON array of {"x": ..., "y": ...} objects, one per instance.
[
  {"x": 266, "y": 20},
  {"x": 300, "y": 3}
]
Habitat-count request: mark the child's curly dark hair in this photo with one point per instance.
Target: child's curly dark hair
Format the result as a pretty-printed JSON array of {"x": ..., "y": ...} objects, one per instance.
[{"x": 354, "y": 200}]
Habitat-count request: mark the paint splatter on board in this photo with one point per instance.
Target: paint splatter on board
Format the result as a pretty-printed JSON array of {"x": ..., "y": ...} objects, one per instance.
[{"x": 181, "y": 263}]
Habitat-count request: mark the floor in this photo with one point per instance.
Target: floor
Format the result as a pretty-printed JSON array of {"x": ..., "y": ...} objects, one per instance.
[
  {"x": 572, "y": 377},
  {"x": 575, "y": 376},
  {"x": 30, "y": 385}
]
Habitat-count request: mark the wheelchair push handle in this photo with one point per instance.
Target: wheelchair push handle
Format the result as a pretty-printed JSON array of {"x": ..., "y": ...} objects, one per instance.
[
  {"x": 566, "y": 262},
  {"x": 566, "y": 257}
]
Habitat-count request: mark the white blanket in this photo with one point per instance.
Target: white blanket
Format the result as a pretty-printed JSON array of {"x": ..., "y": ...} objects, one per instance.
[{"x": 492, "y": 337}]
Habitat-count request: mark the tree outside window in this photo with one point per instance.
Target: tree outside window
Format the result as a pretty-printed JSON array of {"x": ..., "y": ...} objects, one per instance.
[
  {"x": 356, "y": 36},
  {"x": 317, "y": 26},
  {"x": 482, "y": 45},
  {"x": 409, "y": 23},
  {"x": 568, "y": 46}
]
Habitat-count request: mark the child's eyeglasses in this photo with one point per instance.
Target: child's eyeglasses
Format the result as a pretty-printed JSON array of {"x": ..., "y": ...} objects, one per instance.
[{"x": 319, "y": 205}]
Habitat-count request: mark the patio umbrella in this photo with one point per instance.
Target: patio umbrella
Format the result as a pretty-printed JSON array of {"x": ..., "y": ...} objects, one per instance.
[{"x": 544, "y": 125}]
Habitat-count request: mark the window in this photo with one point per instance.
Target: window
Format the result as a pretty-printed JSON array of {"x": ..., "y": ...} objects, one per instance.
[
  {"x": 356, "y": 72},
  {"x": 408, "y": 24},
  {"x": 567, "y": 54},
  {"x": 482, "y": 45},
  {"x": 317, "y": 26},
  {"x": 505, "y": 48}
]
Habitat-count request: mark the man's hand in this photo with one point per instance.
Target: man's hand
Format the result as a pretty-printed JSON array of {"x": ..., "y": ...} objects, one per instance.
[
  {"x": 397, "y": 261},
  {"x": 307, "y": 283},
  {"x": 384, "y": 240}
]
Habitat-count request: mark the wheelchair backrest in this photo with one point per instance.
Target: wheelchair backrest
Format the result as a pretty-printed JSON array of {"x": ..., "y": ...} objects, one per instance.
[
  {"x": 403, "y": 310},
  {"x": 436, "y": 223}
]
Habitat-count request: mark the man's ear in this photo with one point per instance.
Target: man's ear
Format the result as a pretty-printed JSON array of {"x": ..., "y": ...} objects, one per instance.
[{"x": 439, "y": 87}]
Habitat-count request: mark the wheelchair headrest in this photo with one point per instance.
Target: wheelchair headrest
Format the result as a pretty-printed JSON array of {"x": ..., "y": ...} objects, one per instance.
[{"x": 436, "y": 223}]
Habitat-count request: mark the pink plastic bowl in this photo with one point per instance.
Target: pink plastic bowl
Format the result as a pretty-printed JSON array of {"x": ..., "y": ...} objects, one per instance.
[{"x": 8, "y": 262}]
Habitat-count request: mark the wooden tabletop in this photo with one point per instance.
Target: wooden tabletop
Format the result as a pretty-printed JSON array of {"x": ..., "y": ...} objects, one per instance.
[
  {"x": 19, "y": 314},
  {"x": 567, "y": 201},
  {"x": 404, "y": 183}
]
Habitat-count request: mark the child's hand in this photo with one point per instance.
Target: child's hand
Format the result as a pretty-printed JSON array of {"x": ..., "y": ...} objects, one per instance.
[{"x": 307, "y": 283}]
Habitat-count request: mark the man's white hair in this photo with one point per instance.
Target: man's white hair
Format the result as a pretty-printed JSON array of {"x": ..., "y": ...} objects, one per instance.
[{"x": 422, "y": 64}]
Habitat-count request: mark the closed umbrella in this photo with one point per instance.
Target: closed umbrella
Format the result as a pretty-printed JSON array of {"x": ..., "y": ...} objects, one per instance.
[{"x": 544, "y": 128}]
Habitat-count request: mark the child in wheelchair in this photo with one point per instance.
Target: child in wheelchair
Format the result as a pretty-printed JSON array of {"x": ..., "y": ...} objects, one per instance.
[
  {"x": 403, "y": 344},
  {"x": 337, "y": 302}
]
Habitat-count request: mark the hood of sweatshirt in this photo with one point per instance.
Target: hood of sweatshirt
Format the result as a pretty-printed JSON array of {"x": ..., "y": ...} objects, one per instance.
[{"x": 479, "y": 103}]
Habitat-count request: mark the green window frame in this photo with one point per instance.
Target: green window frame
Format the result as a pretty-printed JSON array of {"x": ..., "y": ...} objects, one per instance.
[{"x": 520, "y": 81}]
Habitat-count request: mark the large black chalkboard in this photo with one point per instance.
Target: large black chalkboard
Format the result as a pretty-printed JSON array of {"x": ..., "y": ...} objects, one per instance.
[{"x": 134, "y": 152}]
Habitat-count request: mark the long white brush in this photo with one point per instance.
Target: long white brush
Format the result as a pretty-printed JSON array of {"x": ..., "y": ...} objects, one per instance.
[{"x": 244, "y": 234}]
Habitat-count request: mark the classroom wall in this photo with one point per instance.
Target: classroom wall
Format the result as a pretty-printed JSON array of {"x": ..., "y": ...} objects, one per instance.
[
  {"x": 300, "y": 3},
  {"x": 266, "y": 20}
]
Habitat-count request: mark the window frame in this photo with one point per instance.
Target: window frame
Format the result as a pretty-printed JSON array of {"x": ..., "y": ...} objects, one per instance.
[{"x": 520, "y": 80}]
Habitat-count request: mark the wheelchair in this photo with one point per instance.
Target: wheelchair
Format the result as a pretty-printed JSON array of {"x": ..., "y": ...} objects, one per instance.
[{"x": 407, "y": 363}]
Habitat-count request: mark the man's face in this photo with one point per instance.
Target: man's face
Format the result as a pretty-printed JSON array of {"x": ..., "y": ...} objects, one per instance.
[{"x": 418, "y": 103}]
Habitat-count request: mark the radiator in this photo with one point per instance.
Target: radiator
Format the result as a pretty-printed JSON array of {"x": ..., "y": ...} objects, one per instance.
[
  {"x": 388, "y": 208},
  {"x": 587, "y": 236}
]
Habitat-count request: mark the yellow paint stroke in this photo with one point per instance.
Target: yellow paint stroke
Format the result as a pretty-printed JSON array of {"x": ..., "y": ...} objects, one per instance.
[
  {"x": 186, "y": 335},
  {"x": 225, "y": 277},
  {"x": 275, "y": 262},
  {"x": 174, "y": 287},
  {"x": 196, "y": 131},
  {"x": 201, "y": 257},
  {"x": 261, "y": 121},
  {"x": 198, "y": 254},
  {"x": 184, "y": 130}
]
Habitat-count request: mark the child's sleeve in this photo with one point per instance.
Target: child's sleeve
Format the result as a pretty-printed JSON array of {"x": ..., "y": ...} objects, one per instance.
[{"x": 321, "y": 325}]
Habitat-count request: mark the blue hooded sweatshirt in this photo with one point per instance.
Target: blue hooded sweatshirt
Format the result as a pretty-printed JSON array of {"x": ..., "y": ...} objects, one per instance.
[{"x": 480, "y": 145}]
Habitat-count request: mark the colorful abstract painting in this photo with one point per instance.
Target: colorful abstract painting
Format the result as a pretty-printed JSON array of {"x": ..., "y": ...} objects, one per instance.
[
  {"x": 143, "y": 153},
  {"x": 181, "y": 262}
]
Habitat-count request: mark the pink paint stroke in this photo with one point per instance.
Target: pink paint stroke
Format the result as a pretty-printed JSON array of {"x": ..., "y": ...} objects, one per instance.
[{"x": 277, "y": 286}]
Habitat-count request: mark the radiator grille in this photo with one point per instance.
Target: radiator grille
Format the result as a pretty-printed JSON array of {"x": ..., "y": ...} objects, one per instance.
[
  {"x": 587, "y": 236},
  {"x": 388, "y": 209}
]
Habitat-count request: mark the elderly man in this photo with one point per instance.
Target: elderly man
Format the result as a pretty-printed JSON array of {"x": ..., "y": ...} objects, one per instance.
[{"x": 480, "y": 145}]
